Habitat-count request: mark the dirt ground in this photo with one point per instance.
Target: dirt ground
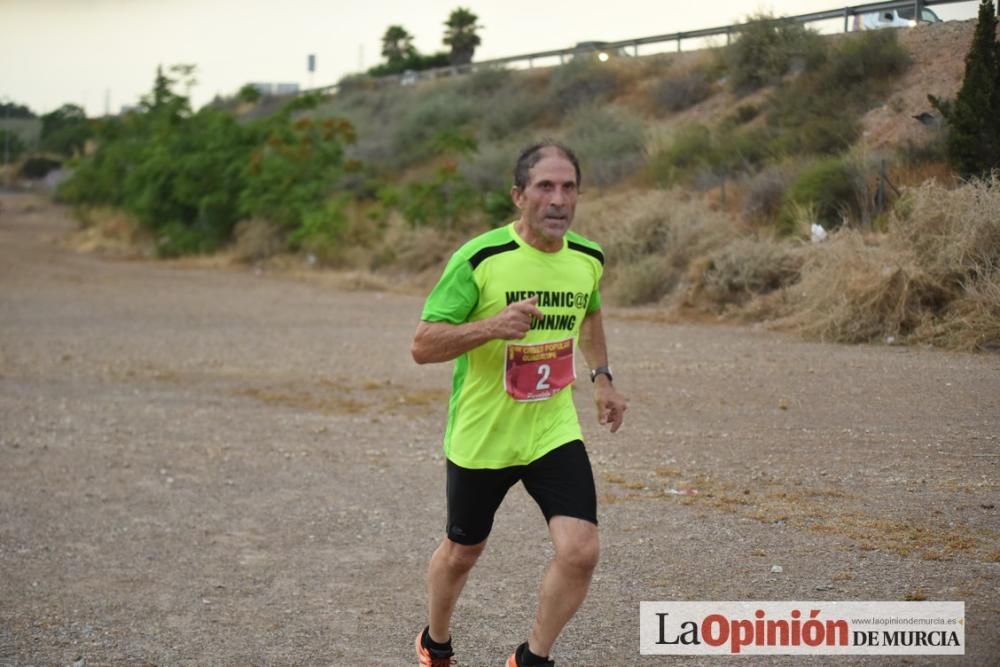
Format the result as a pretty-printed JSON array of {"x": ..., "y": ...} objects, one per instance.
[{"x": 225, "y": 467}]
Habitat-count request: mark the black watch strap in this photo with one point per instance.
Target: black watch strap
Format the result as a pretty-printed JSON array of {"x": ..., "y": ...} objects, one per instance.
[{"x": 601, "y": 370}]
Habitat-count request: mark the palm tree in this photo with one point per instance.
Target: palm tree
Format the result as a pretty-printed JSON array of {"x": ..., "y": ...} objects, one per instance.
[
  {"x": 461, "y": 35},
  {"x": 397, "y": 44}
]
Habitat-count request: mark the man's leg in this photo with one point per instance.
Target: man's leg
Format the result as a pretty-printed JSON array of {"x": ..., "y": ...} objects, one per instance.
[
  {"x": 473, "y": 498},
  {"x": 446, "y": 576},
  {"x": 566, "y": 581}
]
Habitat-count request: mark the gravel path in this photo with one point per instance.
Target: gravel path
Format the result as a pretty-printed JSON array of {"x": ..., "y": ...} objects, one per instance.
[{"x": 213, "y": 467}]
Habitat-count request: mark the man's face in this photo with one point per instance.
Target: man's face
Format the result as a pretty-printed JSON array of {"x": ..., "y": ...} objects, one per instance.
[{"x": 548, "y": 202}]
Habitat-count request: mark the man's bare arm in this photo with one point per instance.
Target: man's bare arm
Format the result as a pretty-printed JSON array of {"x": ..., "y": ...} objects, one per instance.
[
  {"x": 610, "y": 404},
  {"x": 442, "y": 341}
]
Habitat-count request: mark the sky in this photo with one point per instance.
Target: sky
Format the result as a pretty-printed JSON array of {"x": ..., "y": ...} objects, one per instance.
[{"x": 103, "y": 54}]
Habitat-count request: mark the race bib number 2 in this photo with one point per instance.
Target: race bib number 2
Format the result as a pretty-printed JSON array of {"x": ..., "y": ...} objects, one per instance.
[{"x": 539, "y": 371}]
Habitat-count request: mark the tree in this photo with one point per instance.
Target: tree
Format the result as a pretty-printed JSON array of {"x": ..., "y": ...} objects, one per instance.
[
  {"x": 249, "y": 93},
  {"x": 461, "y": 35},
  {"x": 163, "y": 102},
  {"x": 14, "y": 110},
  {"x": 974, "y": 116},
  {"x": 397, "y": 45},
  {"x": 65, "y": 130},
  {"x": 11, "y": 146}
]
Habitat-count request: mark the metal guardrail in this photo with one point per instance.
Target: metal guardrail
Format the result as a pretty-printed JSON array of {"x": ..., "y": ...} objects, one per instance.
[{"x": 846, "y": 13}]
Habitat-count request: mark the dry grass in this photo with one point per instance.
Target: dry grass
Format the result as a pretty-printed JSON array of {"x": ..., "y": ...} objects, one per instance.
[
  {"x": 651, "y": 238},
  {"x": 825, "y": 510},
  {"x": 934, "y": 277},
  {"x": 338, "y": 396},
  {"x": 257, "y": 240},
  {"x": 111, "y": 232}
]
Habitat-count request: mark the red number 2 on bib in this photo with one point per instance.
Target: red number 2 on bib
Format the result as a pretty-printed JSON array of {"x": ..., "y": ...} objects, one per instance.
[{"x": 538, "y": 371}]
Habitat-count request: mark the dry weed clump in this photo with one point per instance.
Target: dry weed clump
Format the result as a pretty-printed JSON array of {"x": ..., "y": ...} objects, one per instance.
[
  {"x": 742, "y": 270},
  {"x": 257, "y": 240},
  {"x": 858, "y": 290},
  {"x": 651, "y": 240},
  {"x": 111, "y": 232},
  {"x": 932, "y": 278}
]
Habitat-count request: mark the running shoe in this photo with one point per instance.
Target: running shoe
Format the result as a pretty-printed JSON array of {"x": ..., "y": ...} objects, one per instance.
[
  {"x": 428, "y": 657},
  {"x": 512, "y": 661}
]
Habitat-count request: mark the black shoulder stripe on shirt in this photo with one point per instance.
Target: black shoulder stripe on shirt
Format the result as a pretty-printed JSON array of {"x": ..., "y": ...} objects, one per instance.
[
  {"x": 487, "y": 252},
  {"x": 587, "y": 250}
]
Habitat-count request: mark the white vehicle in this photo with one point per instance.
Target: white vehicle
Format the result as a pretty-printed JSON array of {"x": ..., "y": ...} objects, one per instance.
[{"x": 894, "y": 18}]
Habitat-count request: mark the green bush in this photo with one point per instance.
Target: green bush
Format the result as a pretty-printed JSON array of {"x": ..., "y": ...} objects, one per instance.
[
  {"x": 444, "y": 201},
  {"x": 804, "y": 120},
  {"x": 611, "y": 142},
  {"x": 320, "y": 230},
  {"x": 581, "y": 83},
  {"x": 414, "y": 62},
  {"x": 834, "y": 188},
  {"x": 190, "y": 177},
  {"x": 512, "y": 111},
  {"x": 768, "y": 48},
  {"x": 743, "y": 150},
  {"x": 690, "y": 149},
  {"x": 427, "y": 116},
  {"x": 11, "y": 145},
  {"x": 862, "y": 61}
]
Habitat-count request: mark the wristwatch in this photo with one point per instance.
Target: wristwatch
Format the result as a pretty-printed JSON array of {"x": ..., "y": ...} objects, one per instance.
[{"x": 601, "y": 370}]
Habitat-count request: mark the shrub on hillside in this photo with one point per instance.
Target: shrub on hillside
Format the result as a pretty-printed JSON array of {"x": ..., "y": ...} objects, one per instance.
[
  {"x": 427, "y": 116},
  {"x": 678, "y": 94},
  {"x": 611, "y": 142},
  {"x": 862, "y": 61},
  {"x": 833, "y": 187},
  {"x": 765, "y": 196},
  {"x": 742, "y": 115},
  {"x": 512, "y": 111},
  {"x": 807, "y": 121},
  {"x": 581, "y": 83},
  {"x": 766, "y": 49},
  {"x": 743, "y": 150},
  {"x": 485, "y": 81},
  {"x": 691, "y": 147}
]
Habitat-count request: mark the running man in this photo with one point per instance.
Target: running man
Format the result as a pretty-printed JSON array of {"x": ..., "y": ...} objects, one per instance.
[{"x": 511, "y": 308}]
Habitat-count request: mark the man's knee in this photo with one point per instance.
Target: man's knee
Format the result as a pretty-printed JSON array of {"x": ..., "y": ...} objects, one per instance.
[
  {"x": 580, "y": 555},
  {"x": 461, "y": 557},
  {"x": 576, "y": 542}
]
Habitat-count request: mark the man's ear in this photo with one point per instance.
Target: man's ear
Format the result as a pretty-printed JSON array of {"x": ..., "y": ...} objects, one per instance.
[{"x": 516, "y": 196}]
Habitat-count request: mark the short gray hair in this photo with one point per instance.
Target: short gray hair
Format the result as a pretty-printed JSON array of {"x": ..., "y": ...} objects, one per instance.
[{"x": 531, "y": 155}]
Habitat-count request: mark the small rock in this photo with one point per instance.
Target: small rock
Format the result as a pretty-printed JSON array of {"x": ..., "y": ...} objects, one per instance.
[{"x": 777, "y": 569}]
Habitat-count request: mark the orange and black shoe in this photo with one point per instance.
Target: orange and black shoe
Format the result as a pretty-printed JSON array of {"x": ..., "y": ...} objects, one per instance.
[
  {"x": 515, "y": 659},
  {"x": 428, "y": 657}
]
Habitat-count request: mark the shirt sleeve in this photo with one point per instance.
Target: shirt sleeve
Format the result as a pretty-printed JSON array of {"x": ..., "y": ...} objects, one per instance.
[
  {"x": 455, "y": 295},
  {"x": 594, "y": 304}
]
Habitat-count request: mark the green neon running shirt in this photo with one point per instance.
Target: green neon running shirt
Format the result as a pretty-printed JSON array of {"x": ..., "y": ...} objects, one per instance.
[{"x": 487, "y": 426}]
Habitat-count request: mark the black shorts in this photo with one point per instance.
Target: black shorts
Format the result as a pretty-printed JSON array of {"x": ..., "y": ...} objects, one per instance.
[{"x": 561, "y": 482}]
